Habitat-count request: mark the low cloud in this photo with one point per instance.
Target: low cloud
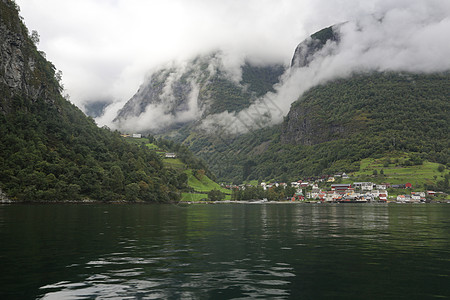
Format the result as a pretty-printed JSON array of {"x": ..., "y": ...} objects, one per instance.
[{"x": 402, "y": 39}]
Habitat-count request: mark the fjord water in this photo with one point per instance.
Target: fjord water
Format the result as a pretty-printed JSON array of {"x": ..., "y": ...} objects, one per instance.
[{"x": 226, "y": 251}]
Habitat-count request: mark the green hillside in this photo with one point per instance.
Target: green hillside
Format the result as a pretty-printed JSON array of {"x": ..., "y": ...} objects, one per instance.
[
  {"x": 198, "y": 184},
  {"x": 400, "y": 169},
  {"x": 50, "y": 151}
]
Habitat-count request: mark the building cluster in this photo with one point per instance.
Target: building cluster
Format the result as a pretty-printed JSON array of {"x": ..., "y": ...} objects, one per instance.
[
  {"x": 133, "y": 135},
  {"x": 415, "y": 197},
  {"x": 353, "y": 193}
]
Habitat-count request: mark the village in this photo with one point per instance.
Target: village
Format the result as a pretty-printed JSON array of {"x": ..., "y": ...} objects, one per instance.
[{"x": 325, "y": 190}]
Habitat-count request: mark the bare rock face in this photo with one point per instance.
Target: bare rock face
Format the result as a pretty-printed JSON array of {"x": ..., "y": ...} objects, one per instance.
[
  {"x": 305, "y": 51},
  {"x": 19, "y": 58},
  {"x": 304, "y": 126},
  {"x": 12, "y": 60}
]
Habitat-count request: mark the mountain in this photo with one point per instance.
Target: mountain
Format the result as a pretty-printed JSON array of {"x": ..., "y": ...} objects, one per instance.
[
  {"x": 184, "y": 92},
  {"x": 49, "y": 150},
  {"x": 334, "y": 125}
]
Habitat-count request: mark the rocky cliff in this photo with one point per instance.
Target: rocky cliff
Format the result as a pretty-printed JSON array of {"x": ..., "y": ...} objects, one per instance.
[
  {"x": 305, "y": 51},
  {"x": 22, "y": 69}
]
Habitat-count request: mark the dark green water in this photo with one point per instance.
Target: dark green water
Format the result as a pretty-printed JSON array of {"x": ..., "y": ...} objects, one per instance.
[{"x": 271, "y": 251}]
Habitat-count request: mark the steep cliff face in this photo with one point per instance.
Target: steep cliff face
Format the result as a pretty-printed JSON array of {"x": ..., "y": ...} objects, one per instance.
[
  {"x": 22, "y": 69},
  {"x": 308, "y": 125}
]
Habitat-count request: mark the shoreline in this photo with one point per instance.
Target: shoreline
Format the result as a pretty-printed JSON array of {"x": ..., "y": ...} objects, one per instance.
[{"x": 93, "y": 202}]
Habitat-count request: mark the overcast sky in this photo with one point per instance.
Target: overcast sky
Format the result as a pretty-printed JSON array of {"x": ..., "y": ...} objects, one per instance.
[{"x": 105, "y": 47}]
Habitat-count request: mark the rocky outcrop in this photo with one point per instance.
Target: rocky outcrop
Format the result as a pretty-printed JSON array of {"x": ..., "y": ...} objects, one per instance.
[
  {"x": 4, "y": 198},
  {"x": 19, "y": 58},
  {"x": 305, "y": 51},
  {"x": 305, "y": 126}
]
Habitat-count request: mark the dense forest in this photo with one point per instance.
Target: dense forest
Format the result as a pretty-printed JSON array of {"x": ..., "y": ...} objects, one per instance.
[{"x": 49, "y": 150}]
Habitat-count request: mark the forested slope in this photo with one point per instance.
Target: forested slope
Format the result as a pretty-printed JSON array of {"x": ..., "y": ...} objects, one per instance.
[{"x": 49, "y": 150}]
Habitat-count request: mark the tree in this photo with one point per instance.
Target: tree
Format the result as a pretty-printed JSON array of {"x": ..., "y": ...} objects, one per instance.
[
  {"x": 35, "y": 38},
  {"x": 216, "y": 195},
  {"x": 199, "y": 174},
  {"x": 132, "y": 192},
  {"x": 117, "y": 178}
]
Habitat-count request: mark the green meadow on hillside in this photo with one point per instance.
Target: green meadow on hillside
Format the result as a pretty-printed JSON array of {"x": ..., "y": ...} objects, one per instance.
[
  {"x": 401, "y": 169},
  {"x": 205, "y": 184}
]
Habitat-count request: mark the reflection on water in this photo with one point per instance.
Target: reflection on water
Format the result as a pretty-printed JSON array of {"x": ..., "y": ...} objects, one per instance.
[{"x": 276, "y": 251}]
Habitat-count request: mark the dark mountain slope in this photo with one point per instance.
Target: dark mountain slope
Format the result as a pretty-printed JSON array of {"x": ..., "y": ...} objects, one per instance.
[{"x": 49, "y": 150}]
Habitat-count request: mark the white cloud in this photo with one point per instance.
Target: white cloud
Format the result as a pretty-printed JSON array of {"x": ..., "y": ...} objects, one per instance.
[{"x": 105, "y": 48}]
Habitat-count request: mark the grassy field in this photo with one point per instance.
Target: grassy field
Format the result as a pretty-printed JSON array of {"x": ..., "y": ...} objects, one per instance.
[
  {"x": 252, "y": 182},
  {"x": 204, "y": 185},
  {"x": 145, "y": 141},
  {"x": 418, "y": 175},
  {"x": 193, "y": 197},
  {"x": 174, "y": 163}
]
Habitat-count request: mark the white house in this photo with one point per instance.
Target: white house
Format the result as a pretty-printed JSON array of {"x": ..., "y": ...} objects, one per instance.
[
  {"x": 315, "y": 193},
  {"x": 295, "y": 184},
  {"x": 381, "y": 186},
  {"x": 364, "y": 186},
  {"x": 375, "y": 193}
]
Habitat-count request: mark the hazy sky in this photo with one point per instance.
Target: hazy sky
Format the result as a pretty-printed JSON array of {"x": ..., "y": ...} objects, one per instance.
[{"x": 105, "y": 47}]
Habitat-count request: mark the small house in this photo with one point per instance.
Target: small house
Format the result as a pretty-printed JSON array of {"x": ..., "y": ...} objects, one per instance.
[{"x": 340, "y": 187}]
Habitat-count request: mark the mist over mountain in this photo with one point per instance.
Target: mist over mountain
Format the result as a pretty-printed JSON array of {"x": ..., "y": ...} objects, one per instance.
[
  {"x": 187, "y": 92},
  {"x": 334, "y": 105},
  {"x": 398, "y": 40},
  {"x": 395, "y": 42}
]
